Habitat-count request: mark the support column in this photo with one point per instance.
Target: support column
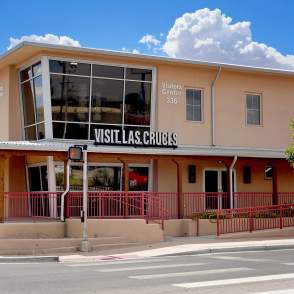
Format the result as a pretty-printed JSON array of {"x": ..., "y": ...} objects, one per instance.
[
  {"x": 125, "y": 186},
  {"x": 2, "y": 180},
  {"x": 180, "y": 188},
  {"x": 65, "y": 187}
]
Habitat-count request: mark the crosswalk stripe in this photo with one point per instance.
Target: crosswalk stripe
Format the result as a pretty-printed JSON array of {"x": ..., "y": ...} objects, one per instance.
[
  {"x": 237, "y": 258},
  {"x": 287, "y": 291},
  {"x": 149, "y": 267},
  {"x": 98, "y": 263},
  {"x": 235, "y": 281},
  {"x": 185, "y": 274}
]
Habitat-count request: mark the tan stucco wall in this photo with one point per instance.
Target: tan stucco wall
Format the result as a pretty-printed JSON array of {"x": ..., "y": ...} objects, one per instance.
[
  {"x": 4, "y": 104},
  {"x": 17, "y": 174},
  {"x": 167, "y": 178},
  {"x": 277, "y": 102}
]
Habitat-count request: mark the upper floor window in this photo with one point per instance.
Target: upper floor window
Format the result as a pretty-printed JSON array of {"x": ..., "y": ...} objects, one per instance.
[
  {"x": 194, "y": 104},
  {"x": 253, "y": 109},
  {"x": 32, "y": 101},
  {"x": 88, "y": 96}
]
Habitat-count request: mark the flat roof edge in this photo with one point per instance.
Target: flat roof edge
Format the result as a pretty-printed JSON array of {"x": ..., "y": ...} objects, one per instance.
[{"x": 147, "y": 57}]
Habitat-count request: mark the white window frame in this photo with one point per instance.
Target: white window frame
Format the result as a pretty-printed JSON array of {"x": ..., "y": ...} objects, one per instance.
[
  {"x": 260, "y": 110},
  {"x": 152, "y": 123},
  {"x": 201, "y": 104}
]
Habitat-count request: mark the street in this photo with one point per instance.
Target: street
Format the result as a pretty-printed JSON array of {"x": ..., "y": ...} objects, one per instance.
[{"x": 270, "y": 272}]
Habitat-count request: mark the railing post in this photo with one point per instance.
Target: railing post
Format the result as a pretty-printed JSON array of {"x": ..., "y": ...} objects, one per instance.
[
  {"x": 281, "y": 217},
  {"x": 217, "y": 223},
  {"x": 251, "y": 225}
]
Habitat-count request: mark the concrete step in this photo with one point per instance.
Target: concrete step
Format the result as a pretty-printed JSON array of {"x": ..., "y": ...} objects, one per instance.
[{"x": 59, "y": 245}]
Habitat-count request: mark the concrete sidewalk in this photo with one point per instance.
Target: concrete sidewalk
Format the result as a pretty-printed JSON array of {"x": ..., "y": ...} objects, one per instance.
[{"x": 182, "y": 246}]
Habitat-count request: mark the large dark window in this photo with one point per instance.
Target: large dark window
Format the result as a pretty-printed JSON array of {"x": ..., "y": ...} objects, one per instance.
[
  {"x": 137, "y": 103},
  {"x": 138, "y": 178},
  {"x": 107, "y": 101},
  {"x": 88, "y": 96},
  {"x": 32, "y": 100},
  {"x": 38, "y": 178}
]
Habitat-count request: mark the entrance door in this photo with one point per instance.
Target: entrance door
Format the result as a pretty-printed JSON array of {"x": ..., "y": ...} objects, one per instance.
[{"x": 216, "y": 182}]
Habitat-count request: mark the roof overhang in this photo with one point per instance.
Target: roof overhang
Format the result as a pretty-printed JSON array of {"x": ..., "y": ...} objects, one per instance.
[
  {"x": 26, "y": 50},
  {"x": 182, "y": 150}
]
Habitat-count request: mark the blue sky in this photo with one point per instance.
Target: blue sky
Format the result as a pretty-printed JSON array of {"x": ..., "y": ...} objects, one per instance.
[{"x": 116, "y": 24}]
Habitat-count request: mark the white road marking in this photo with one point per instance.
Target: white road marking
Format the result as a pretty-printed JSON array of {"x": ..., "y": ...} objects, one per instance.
[
  {"x": 237, "y": 258},
  {"x": 148, "y": 267},
  {"x": 235, "y": 281},
  {"x": 287, "y": 291},
  {"x": 98, "y": 263},
  {"x": 194, "y": 273},
  {"x": 288, "y": 263}
]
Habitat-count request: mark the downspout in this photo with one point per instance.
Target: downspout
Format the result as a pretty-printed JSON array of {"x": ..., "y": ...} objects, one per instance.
[
  {"x": 213, "y": 106},
  {"x": 231, "y": 181},
  {"x": 65, "y": 192}
]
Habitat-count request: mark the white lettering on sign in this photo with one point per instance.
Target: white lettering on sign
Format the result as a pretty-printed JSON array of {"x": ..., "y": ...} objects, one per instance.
[
  {"x": 171, "y": 91},
  {"x": 135, "y": 138}
]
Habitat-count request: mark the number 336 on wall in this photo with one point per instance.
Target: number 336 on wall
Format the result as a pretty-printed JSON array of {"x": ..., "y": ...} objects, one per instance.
[{"x": 171, "y": 100}]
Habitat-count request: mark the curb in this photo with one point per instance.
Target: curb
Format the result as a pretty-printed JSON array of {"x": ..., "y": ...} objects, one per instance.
[
  {"x": 233, "y": 249},
  {"x": 24, "y": 259}
]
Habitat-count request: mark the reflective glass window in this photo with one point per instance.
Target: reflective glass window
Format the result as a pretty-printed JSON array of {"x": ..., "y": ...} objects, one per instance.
[
  {"x": 67, "y": 67},
  {"x": 107, "y": 71},
  {"x": 70, "y": 98},
  {"x": 28, "y": 103},
  {"x": 137, "y": 103},
  {"x": 70, "y": 131},
  {"x": 138, "y": 178},
  {"x": 107, "y": 101},
  {"x": 139, "y": 74}
]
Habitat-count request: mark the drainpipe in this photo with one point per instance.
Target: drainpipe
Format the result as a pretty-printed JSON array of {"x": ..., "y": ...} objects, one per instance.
[
  {"x": 213, "y": 106},
  {"x": 231, "y": 180},
  {"x": 65, "y": 192}
]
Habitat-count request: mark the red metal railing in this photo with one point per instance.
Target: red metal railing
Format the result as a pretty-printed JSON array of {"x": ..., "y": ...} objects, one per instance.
[
  {"x": 148, "y": 205},
  {"x": 254, "y": 218},
  {"x": 31, "y": 205}
]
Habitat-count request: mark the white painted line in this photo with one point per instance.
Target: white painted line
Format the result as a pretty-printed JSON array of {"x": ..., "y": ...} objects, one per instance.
[
  {"x": 149, "y": 267},
  {"x": 98, "y": 263},
  {"x": 237, "y": 258},
  {"x": 288, "y": 263},
  {"x": 236, "y": 281},
  {"x": 287, "y": 291},
  {"x": 22, "y": 263},
  {"x": 185, "y": 274}
]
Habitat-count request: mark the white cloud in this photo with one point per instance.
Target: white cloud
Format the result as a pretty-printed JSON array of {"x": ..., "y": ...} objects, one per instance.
[
  {"x": 47, "y": 38},
  {"x": 210, "y": 35},
  {"x": 135, "y": 51},
  {"x": 149, "y": 40}
]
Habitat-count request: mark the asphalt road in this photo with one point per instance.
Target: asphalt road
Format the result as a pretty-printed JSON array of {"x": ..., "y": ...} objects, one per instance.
[{"x": 270, "y": 272}]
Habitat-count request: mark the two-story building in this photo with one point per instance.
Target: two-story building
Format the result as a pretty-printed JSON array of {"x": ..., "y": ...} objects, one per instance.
[{"x": 175, "y": 127}]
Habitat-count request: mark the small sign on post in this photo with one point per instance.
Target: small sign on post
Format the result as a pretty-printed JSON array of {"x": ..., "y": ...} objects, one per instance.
[{"x": 75, "y": 153}]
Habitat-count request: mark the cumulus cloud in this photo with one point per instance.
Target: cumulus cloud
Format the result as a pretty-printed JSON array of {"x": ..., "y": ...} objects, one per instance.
[
  {"x": 47, "y": 38},
  {"x": 149, "y": 40},
  {"x": 212, "y": 36}
]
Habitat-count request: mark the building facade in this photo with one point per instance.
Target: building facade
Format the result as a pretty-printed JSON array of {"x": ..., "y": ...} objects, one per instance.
[{"x": 200, "y": 127}]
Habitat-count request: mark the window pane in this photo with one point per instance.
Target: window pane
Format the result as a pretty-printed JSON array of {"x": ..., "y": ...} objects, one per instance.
[
  {"x": 39, "y": 99},
  {"x": 189, "y": 96},
  {"x": 139, "y": 74},
  {"x": 34, "y": 178},
  {"x": 102, "y": 178},
  {"x": 30, "y": 133},
  {"x": 253, "y": 101},
  {"x": 65, "y": 67},
  {"x": 137, "y": 103},
  {"x": 76, "y": 178},
  {"x": 138, "y": 178},
  {"x": 44, "y": 177},
  {"x": 70, "y": 98},
  {"x": 108, "y": 71},
  {"x": 93, "y": 127},
  {"x": 197, "y": 97},
  {"x": 37, "y": 69},
  {"x": 253, "y": 117},
  {"x": 196, "y": 113},
  {"x": 189, "y": 112},
  {"x": 70, "y": 131},
  {"x": 26, "y": 74},
  {"x": 107, "y": 101},
  {"x": 28, "y": 103},
  {"x": 41, "y": 131},
  {"x": 59, "y": 177}
]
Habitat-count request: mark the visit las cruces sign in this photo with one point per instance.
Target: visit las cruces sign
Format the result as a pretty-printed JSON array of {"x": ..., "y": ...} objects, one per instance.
[{"x": 135, "y": 138}]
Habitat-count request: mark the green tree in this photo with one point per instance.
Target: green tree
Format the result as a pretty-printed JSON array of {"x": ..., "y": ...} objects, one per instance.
[{"x": 290, "y": 149}]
